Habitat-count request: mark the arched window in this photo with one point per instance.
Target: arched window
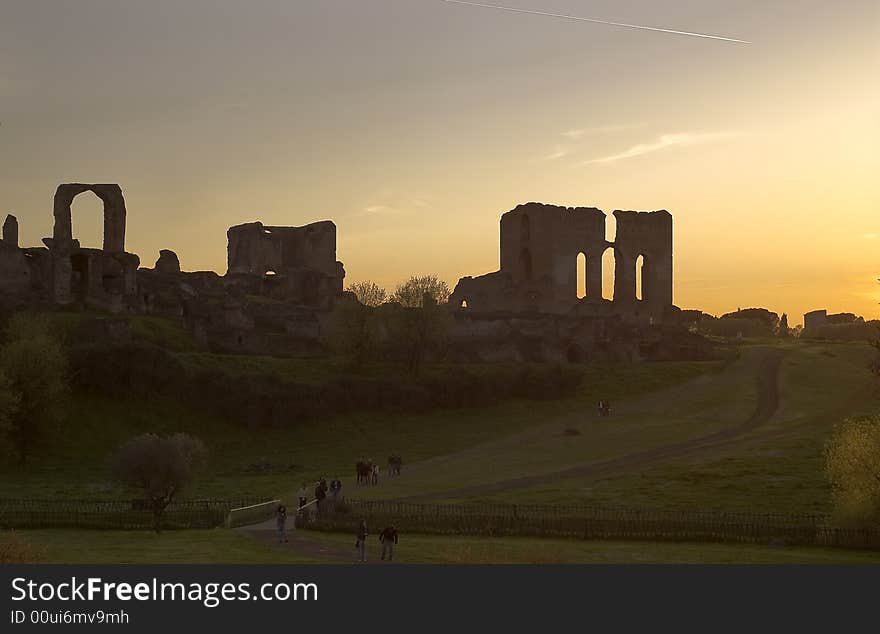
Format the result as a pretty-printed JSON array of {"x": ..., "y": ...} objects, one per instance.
[
  {"x": 464, "y": 304},
  {"x": 608, "y": 264},
  {"x": 87, "y": 220},
  {"x": 640, "y": 267},
  {"x": 581, "y": 275}
]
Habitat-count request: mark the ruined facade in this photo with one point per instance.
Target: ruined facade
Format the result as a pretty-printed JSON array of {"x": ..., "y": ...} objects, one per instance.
[
  {"x": 540, "y": 249},
  {"x": 298, "y": 263},
  {"x": 63, "y": 272},
  {"x": 281, "y": 280}
]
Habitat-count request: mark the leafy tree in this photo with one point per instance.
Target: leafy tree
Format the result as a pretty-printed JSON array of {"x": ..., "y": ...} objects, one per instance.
[
  {"x": 852, "y": 465},
  {"x": 368, "y": 293},
  {"x": 160, "y": 466},
  {"x": 414, "y": 292},
  {"x": 35, "y": 385}
]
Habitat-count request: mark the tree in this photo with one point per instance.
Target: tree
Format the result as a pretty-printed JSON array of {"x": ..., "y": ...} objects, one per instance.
[
  {"x": 414, "y": 292},
  {"x": 160, "y": 466},
  {"x": 420, "y": 330},
  {"x": 35, "y": 371},
  {"x": 368, "y": 293},
  {"x": 354, "y": 333},
  {"x": 783, "y": 329},
  {"x": 852, "y": 465}
]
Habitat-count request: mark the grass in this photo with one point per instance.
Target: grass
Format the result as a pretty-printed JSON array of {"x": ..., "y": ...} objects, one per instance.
[
  {"x": 235, "y": 547},
  {"x": 273, "y": 462},
  {"x": 143, "y": 547},
  {"x": 778, "y": 468},
  {"x": 476, "y": 550}
]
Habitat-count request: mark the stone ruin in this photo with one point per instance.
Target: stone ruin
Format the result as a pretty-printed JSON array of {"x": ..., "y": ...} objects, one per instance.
[
  {"x": 63, "y": 272},
  {"x": 295, "y": 262},
  {"x": 540, "y": 248},
  {"x": 278, "y": 282},
  {"x": 282, "y": 283}
]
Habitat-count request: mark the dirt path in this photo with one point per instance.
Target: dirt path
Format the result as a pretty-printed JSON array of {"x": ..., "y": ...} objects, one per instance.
[
  {"x": 299, "y": 541},
  {"x": 768, "y": 402}
]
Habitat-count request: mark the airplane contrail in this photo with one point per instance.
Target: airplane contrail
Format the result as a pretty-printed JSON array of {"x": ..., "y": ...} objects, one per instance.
[{"x": 597, "y": 21}]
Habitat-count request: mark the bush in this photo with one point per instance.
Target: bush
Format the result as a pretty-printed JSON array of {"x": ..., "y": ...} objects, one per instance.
[
  {"x": 14, "y": 549},
  {"x": 852, "y": 464}
]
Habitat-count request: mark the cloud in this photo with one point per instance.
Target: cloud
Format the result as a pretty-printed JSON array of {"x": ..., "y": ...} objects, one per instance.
[
  {"x": 580, "y": 133},
  {"x": 871, "y": 236},
  {"x": 558, "y": 153},
  {"x": 666, "y": 141},
  {"x": 396, "y": 208}
]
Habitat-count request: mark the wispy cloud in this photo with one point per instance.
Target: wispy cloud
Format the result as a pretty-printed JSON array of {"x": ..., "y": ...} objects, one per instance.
[
  {"x": 557, "y": 153},
  {"x": 396, "y": 208},
  {"x": 665, "y": 141},
  {"x": 580, "y": 133}
]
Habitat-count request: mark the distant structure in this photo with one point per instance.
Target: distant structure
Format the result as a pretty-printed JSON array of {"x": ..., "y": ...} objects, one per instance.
[
  {"x": 540, "y": 249},
  {"x": 814, "y": 320},
  {"x": 299, "y": 263},
  {"x": 280, "y": 280}
]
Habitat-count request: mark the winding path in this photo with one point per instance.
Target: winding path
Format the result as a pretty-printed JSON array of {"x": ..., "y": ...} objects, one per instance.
[{"x": 768, "y": 402}]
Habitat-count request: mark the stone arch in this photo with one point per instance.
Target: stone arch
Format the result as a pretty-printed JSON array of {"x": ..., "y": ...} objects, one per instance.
[
  {"x": 114, "y": 214},
  {"x": 583, "y": 287},
  {"x": 610, "y": 258},
  {"x": 641, "y": 269}
]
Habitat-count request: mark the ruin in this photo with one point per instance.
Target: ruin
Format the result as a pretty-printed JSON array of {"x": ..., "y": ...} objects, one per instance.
[
  {"x": 298, "y": 263},
  {"x": 282, "y": 285},
  {"x": 279, "y": 283},
  {"x": 540, "y": 249}
]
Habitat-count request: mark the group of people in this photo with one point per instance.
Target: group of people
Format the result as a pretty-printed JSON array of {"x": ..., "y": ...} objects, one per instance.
[
  {"x": 388, "y": 538},
  {"x": 368, "y": 471}
]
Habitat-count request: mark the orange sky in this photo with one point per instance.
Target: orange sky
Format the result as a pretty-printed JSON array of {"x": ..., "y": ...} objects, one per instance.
[{"x": 414, "y": 124}]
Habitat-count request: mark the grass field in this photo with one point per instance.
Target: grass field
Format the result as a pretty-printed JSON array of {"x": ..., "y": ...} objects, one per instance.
[
  {"x": 778, "y": 468},
  {"x": 272, "y": 462},
  {"x": 522, "y": 446},
  {"x": 223, "y": 546}
]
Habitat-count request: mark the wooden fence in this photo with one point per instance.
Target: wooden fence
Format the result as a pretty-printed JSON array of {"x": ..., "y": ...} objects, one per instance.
[
  {"x": 114, "y": 514},
  {"x": 594, "y": 523}
]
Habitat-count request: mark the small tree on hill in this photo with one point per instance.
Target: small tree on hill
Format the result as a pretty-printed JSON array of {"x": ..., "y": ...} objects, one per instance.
[
  {"x": 852, "y": 465},
  {"x": 35, "y": 370},
  {"x": 159, "y": 466},
  {"x": 368, "y": 293}
]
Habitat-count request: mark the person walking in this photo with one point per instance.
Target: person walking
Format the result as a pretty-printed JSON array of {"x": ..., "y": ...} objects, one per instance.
[
  {"x": 388, "y": 537},
  {"x": 375, "y": 474},
  {"x": 335, "y": 487},
  {"x": 303, "y": 495},
  {"x": 320, "y": 494},
  {"x": 361, "y": 543},
  {"x": 281, "y": 523}
]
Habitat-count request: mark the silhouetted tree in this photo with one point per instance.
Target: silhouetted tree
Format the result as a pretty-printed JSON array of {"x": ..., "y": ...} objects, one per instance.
[
  {"x": 368, "y": 293},
  {"x": 35, "y": 381},
  {"x": 355, "y": 332},
  {"x": 160, "y": 466},
  {"x": 783, "y": 330},
  {"x": 852, "y": 465},
  {"x": 414, "y": 292},
  {"x": 419, "y": 331}
]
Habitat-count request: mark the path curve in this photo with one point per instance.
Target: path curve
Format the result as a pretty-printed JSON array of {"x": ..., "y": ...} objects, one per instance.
[{"x": 768, "y": 402}]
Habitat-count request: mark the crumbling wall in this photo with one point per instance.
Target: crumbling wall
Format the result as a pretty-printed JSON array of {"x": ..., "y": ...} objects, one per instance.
[
  {"x": 540, "y": 246},
  {"x": 296, "y": 263}
]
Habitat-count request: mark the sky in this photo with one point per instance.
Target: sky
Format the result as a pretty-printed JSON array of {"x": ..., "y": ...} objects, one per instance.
[{"x": 414, "y": 124}]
